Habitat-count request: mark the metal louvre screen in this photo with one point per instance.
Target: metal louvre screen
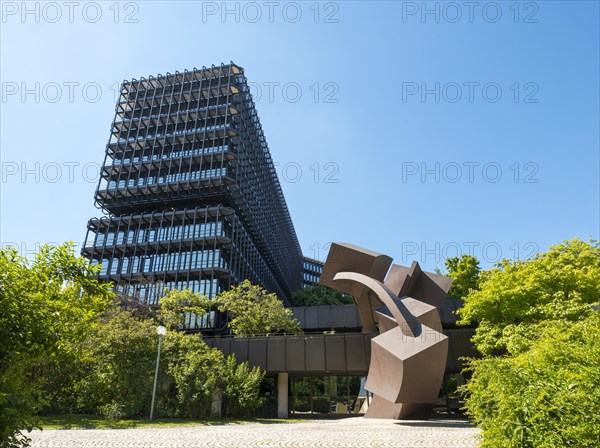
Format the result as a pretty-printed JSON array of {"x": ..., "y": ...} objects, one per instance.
[{"x": 190, "y": 191}]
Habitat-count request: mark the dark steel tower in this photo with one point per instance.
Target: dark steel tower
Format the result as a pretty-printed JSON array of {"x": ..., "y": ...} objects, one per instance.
[{"x": 190, "y": 191}]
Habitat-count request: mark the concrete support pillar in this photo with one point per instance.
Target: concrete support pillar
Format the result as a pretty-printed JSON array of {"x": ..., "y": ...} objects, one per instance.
[{"x": 282, "y": 395}]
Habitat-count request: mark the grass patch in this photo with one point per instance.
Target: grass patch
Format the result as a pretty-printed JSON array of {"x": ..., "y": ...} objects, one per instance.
[{"x": 79, "y": 421}]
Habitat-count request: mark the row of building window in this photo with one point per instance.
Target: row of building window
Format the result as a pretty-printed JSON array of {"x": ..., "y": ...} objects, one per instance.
[
  {"x": 170, "y": 113},
  {"x": 171, "y": 155},
  {"x": 308, "y": 266},
  {"x": 156, "y": 180},
  {"x": 180, "y": 261},
  {"x": 177, "y": 88},
  {"x": 168, "y": 134},
  {"x": 311, "y": 278},
  {"x": 208, "y": 287},
  {"x": 155, "y": 108},
  {"x": 151, "y": 235}
]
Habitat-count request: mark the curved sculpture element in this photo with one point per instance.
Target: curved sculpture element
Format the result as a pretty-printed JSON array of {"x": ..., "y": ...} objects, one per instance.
[
  {"x": 408, "y": 358},
  {"x": 344, "y": 257},
  {"x": 406, "y": 321}
]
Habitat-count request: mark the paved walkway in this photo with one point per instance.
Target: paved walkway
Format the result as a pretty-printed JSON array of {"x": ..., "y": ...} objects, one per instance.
[{"x": 351, "y": 432}]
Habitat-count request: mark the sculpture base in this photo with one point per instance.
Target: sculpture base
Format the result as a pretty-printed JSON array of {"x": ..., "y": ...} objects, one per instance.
[{"x": 381, "y": 408}]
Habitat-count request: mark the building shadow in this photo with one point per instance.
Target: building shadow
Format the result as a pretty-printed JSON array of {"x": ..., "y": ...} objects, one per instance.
[{"x": 437, "y": 424}]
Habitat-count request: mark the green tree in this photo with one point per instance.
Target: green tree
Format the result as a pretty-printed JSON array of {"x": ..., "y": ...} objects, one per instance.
[
  {"x": 60, "y": 378},
  {"x": 241, "y": 388},
  {"x": 177, "y": 306},
  {"x": 123, "y": 352},
  {"x": 45, "y": 305},
  {"x": 536, "y": 384},
  {"x": 62, "y": 349},
  {"x": 558, "y": 285},
  {"x": 464, "y": 272},
  {"x": 197, "y": 373},
  {"x": 319, "y": 295},
  {"x": 253, "y": 311},
  {"x": 545, "y": 396}
]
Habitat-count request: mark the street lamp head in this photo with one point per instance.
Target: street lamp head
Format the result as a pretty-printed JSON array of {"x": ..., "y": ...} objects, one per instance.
[{"x": 161, "y": 330}]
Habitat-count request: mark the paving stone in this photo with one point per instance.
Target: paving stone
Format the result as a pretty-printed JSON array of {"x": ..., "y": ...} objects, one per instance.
[{"x": 346, "y": 433}]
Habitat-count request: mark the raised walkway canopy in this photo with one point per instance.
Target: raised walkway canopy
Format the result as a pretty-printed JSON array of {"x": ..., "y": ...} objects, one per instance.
[{"x": 346, "y": 352}]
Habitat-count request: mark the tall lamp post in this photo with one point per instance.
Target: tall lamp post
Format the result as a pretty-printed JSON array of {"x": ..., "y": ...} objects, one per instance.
[{"x": 161, "y": 332}]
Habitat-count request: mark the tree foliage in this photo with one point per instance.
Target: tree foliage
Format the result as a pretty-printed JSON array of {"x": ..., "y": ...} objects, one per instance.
[
  {"x": 197, "y": 371},
  {"x": 253, "y": 311},
  {"x": 536, "y": 385},
  {"x": 241, "y": 388},
  {"x": 176, "y": 305},
  {"x": 319, "y": 295},
  {"x": 558, "y": 285},
  {"x": 464, "y": 272},
  {"x": 119, "y": 370},
  {"x": 46, "y": 305},
  {"x": 63, "y": 349},
  {"x": 123, "y": 353},
  {"x": 545, "y": 396}
]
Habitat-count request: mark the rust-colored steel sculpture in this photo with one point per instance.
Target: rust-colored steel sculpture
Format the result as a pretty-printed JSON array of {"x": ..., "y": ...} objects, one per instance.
[{"x": 408, "y": 358}]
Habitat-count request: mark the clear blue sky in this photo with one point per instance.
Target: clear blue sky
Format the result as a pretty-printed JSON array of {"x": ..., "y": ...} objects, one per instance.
[{"x": 387, "y": 91}]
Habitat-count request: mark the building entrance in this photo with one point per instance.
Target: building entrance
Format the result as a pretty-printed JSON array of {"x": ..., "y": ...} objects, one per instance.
[{"x": 325, "y": 395}]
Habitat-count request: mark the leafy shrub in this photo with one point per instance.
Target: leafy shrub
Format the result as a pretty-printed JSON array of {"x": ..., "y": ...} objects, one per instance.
[
  {"x": 61, "y": 378},
  {"x": 319, "y": 295},
  {"x": 537, "y": 383},
  {"x": 177, "y": 305},
  {"x": 546, "y": 396},
  {"x": 196, "y": 371},
  {"x": 46, "y": 307},
  {"x": 115, "y": 376},
  {"x": 63, "y": 350},
  {"x": 558, "y": 285},
  {"x": 253, "y": 311},
  {"x": 464, "y": 272},
  {"x": 124, "y": 352},
  {"x": 241, "y": 388}
]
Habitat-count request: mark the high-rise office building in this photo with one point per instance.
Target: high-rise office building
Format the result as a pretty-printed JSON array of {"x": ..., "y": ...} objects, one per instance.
[{"x": 190, "y": 192}]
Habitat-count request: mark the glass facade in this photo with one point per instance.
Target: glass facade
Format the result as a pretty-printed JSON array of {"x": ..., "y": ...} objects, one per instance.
[
  {"x": 311, "y": 272},
  {"x": 190, "y": 193},
  {"x": 325, "y": 395}
]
